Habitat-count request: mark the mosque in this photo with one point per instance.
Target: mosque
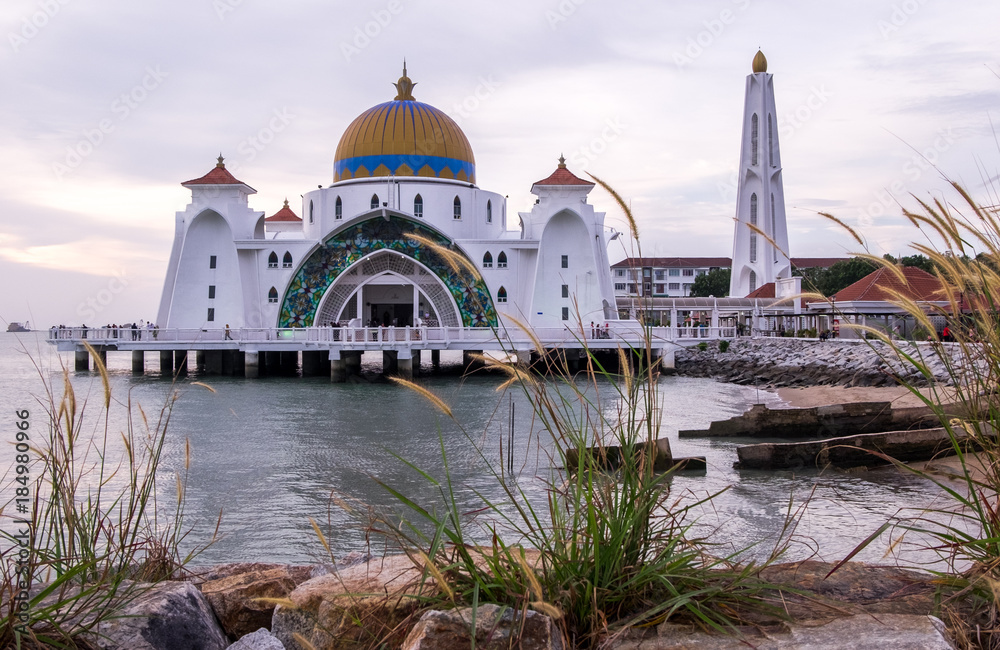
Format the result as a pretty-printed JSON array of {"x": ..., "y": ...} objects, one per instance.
[{"x": 403, "y": 236}]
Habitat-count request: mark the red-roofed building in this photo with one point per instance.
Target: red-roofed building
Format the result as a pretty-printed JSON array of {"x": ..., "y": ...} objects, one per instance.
[
  {"x": 765, "y": 291},
  {"x": 219, "y": 176}
]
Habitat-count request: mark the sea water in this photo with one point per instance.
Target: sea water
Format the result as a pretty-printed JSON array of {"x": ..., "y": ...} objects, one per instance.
[{"x": 270, "y": 454}]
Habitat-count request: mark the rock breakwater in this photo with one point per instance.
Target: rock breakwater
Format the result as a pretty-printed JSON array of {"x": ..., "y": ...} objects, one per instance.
[{"x": 781, "y": 362}]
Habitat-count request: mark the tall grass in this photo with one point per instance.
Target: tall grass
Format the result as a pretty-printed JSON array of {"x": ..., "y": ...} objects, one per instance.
[
  {"x": 99, "y": 528},
  {"x": 611, "y": 548},
  {"x": 962, "y": 239}
]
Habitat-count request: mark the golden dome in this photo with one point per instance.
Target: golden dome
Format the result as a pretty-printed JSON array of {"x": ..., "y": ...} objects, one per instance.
[
  {"x": 404, "y": 137},
  {"x": 759, "y": 62}
]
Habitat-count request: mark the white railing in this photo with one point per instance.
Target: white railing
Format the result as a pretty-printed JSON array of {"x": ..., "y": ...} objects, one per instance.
[{"x": 621, "y": 332}]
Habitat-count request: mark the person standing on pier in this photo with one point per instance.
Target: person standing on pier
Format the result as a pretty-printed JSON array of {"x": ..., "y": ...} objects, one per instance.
[{"x": 229, "y": 336}]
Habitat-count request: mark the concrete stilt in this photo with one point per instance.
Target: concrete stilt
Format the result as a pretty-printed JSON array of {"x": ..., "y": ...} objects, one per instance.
[
  {"x": 138, "y": 362},
  {"x": 166, "y": 363},
  {"x": 667, "y": 358},
  {"x": 213, "y": 362},
  {"x": 404, "y": 365},
  {"x": 436, "y": 359},
  {"x": 311, "y": 363},
  {"x": 390, "y": 362},
  {"x": 251, "y": 365},
  {"x": 181, "y": 361},
  {"x": 82, "y": 360},
  {"x": 338, "y": 368}
]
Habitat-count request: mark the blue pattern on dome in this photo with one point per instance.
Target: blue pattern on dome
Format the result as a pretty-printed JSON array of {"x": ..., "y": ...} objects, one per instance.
[{"x": 394, "y": 161}]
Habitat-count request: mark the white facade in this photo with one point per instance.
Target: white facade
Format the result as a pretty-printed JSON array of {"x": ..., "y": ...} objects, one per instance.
[
  {"x": 760, "y": 199},
  {"x": 363, "y": 249}
]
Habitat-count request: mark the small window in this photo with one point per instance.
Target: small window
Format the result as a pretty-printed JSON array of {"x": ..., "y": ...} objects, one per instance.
[
  {"x": 272, "y": 260},
  {"x": 565, "y": 261},
  {"x": 689, "y": 273},
  {"x": 753, "y": 281},
  {"x": 211, "y": 314},
  {"x": 619, "y": 286},
  {"x": 502, "y": 260},
  {"x": 211, "y": 262},
  {"x": 211, "y": 292},
  {"x": 272, "y": 295},
  {"x": 338, "y": 209},
  {"x": 502, "y": 295},
  {"x": 565, "y": 313},
  {"x": 489, "y": 212},
  {"x": 619, "y": 273},
  {"x": 658, "y": 288},
  {"x": 674, "y": 286},
  {"x": 565, "y": 291},
  {"x": 286, "y": 261},
  {"x": 487, "y": 261},
  {"x": 310, "y": 211},
  {"x": 374, "y": 201},
  {"x": 753, "y": 139},
  {"x": 458, "y": 208},
  {"x": 418, "y": 206},
  {"x": 674, "y": 272}
]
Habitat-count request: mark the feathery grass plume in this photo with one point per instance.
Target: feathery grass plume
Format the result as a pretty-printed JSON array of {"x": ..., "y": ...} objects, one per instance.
[
  {"x": 428, "y": 565},
  {"x": 302, "y": 641},
  {"x": 428, "y": 395},
  {"x": 456, "y": 261},
  {"x": 203, "y": 385},
  {"x": 632, "y": 226},
  {"x": 854, "y": 234},
  {"x": 102, "y": 371},
  {"x": 321, "y": 536}
]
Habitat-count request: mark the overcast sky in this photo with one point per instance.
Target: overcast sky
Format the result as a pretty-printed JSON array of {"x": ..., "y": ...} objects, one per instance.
[{"x": 108, "y": 106}]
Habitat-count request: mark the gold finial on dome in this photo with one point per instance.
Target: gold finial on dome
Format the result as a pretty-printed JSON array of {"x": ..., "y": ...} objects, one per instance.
[
  {"x": 404, "y": 87},
  {"x": 286, "y": 203},
  {"x": 759, "y": 62},
  {"x": 562, "y": 162},
  {"x": 221, "y": 164}
]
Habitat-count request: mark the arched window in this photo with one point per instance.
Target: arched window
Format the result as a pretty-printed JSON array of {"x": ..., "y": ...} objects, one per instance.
[
  {"x": 487, "y": 261},
  {"x": 753, "y": 208},
  {"x": 753, "y": 281},
  {"x": 310, "y": 211},
  {"x": 338, "y": 209},
  {"x": 418, "y": 206},
  {"x": 272, "y": 295},
  {"x": 753, "y": 246},
  {"x": 770, "y": 142},
  {"x": 753, "y": 221},
  {"x": 502, "y": 260},
  {"x": 374, "y": 201},
  {"x": 272, "y": 260},
  {"x": 502, "y": 295},
  {"x": 753, "y": 139},
  {"x": 286, "y": 261},
  {"x": 458, "y": 208},
  {"x": 489, "y": 212}
]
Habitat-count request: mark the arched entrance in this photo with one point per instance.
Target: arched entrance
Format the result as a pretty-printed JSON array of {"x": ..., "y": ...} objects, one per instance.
[
  {"x": 411, "y": 252},
  {"x": 388, "y": 288}
]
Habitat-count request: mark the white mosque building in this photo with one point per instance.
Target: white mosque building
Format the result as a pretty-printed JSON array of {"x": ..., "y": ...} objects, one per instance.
[{"x": 403, "y": 236}]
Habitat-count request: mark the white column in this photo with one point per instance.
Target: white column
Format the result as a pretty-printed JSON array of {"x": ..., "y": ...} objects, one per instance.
[
  {"x": 360, "y": 307},
  {"x": 416, "y": 304}
]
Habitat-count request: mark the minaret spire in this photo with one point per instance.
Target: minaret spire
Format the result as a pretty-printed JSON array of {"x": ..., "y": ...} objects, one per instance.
[{"x": 760, "y": 241}]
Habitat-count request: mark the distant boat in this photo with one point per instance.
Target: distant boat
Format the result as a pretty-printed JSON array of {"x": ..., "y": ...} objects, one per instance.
[{"x": 18, "y": 327}]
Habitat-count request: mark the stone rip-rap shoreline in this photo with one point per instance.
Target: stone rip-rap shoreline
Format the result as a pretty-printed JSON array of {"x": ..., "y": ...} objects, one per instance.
[{"x": 787, "y": 362}]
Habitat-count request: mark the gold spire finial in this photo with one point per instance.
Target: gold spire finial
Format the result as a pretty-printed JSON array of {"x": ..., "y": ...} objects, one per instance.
[
  {"x": 221, "y": 164},
  {"x": 759, "y": 62},
  {"x": 404, "y": 87},
  {"x": 562, "y": 162},
  {"x": 286, "y": 203}
]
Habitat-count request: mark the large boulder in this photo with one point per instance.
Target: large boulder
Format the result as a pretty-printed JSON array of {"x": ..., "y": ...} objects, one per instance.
[
  {"x": 361, "y": 603},
  {"x": 496, "y": 628},
  {"x": 259, "y": 640},
  {"x": 236, "y": 598},
  {"x": 167, "y": 616}
]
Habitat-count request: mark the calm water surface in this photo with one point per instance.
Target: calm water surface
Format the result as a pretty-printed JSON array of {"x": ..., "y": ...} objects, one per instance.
[{"x": 270, "y": 453}]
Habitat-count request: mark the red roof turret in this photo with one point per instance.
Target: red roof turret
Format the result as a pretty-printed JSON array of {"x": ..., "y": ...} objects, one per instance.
[{"x": 284, "y": 214}]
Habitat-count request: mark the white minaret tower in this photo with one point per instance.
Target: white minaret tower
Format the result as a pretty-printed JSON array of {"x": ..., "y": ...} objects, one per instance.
[{"x": 760, "y": 199}]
